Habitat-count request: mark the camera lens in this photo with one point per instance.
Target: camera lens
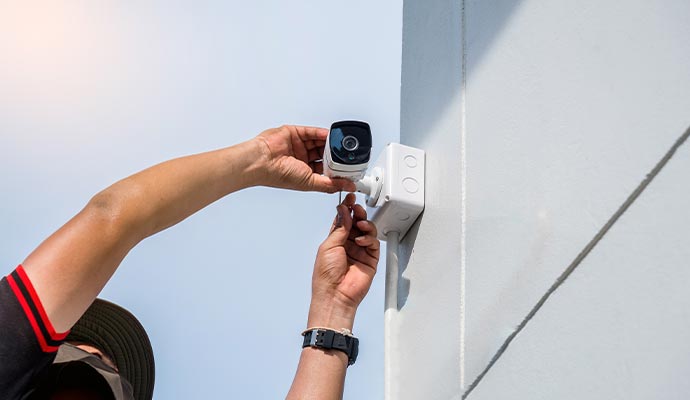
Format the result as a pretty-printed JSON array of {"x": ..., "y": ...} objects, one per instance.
[{"x": 350, "y": 143}]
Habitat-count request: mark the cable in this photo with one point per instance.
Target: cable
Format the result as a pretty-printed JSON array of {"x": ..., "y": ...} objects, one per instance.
[{"x": 390, "y": 312}]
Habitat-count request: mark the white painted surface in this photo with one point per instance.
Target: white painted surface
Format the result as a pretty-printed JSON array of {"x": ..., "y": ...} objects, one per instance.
[
  {"x": 618, "y": 328},
  {"x": 567, "y": 107},
  {"x": 429, "y": 322}
]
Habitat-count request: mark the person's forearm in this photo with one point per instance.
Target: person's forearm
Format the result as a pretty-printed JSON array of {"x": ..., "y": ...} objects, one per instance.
[
  {"x": 321, "y": 373},
  {"x": 71, "y": 267},
  {"x": 163, "y": 195}
]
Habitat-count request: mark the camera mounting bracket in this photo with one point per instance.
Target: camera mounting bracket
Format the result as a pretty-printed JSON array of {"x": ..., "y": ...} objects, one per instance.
[{"x": 394, "y": 189}]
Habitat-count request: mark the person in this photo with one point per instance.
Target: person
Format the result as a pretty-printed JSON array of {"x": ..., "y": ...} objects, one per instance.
[{"x": 58, "y": 341}]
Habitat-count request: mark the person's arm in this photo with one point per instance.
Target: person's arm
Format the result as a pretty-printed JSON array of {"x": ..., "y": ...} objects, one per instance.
[
  {"x": 344, "y": 269},
  {"x": 70, "y": 268}
]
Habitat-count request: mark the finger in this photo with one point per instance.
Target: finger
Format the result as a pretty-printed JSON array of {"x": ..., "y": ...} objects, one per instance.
[
  {"x": 306, "y": 133},
  {"x": 314, "y": 155},
  {"x": 367, "y": 227},
  {"x": 368, "y": 241},
  {"x": 361, "y": 254},
  {"x": 355, "y": 232},
  {"x": 298, "y": 148},
  {"x": 373, "y": 251},
  {"x": 345, "y": 185},
  {"x": 367, "y": 267},
  {"x": 367, "y": 237},
  {"x": 322, "y": 183},
  {"x": 340, "y": 229},
  {"x": 359, "y": 213},
  {"x": 350, "y": 200},
  {"x": 344, "y": 210},
  {"x": 315, "y": 144},
  {"x": 317, "y": 167}
]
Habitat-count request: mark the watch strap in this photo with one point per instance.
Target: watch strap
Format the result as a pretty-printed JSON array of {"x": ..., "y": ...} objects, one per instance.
[{"x": 330, "y": 339}]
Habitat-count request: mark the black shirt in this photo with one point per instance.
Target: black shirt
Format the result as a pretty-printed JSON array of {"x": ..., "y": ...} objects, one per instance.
[{"x": 28, "y": 342}]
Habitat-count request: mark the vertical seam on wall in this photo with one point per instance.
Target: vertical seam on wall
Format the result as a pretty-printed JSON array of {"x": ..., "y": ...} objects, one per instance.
[
  {"x": 463, "y": 197},
  {"x": 581, "y": 256}
]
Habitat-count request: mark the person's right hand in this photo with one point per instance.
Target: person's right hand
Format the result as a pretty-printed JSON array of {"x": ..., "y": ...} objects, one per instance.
[
  {"x": 344, "y": 269},
  {"x": 291, "y": 160}
]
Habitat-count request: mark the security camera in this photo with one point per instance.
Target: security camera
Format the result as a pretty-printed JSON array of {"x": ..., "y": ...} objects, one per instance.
[{"x": 347, "y": 150}]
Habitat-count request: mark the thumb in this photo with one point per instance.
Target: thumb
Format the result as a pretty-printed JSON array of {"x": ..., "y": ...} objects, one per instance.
[
  {"x": 340, "y": 231},
  {"x": 322, "y": 183}
]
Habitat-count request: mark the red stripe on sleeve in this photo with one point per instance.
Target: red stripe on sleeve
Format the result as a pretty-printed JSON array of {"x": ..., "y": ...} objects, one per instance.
[
  {"x": 34, "y": 297},
  {"x": 27, "y": 311}
]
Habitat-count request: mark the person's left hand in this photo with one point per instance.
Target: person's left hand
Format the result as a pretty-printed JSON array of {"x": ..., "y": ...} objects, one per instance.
[
  {"x": 292, "y": 160},
  {"x": 345, "y": 267}
]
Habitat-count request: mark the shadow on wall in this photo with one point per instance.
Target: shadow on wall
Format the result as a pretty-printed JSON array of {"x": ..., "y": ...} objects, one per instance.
[
  {"x": 433, "y": 56},
  {"x": 484, "y": 22},
  {"x": 434, "y": 60},
  {"x": 404, "y": 255}
]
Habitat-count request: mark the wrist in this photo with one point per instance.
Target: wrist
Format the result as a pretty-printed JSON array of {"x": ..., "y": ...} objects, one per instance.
[
  {"x": 254, "y": 157},
  {"x": 329, "y": 339},
  {"x": 330, "y": 315}
]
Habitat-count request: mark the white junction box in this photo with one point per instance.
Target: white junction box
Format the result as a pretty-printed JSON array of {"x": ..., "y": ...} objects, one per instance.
[{"x": 401, "y": 198}]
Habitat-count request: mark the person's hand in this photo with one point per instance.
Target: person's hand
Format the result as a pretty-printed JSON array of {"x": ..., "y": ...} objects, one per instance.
[
  {"x": 344, "y": 269},
  {"x": 292, "y": 160}
]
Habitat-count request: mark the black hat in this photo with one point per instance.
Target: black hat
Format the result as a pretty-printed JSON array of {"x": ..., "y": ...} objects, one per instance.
[{"x": 116, "y": 332}]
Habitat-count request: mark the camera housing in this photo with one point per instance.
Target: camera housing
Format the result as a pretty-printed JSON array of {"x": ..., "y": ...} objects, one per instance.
[{"x": 348, "y": 150}]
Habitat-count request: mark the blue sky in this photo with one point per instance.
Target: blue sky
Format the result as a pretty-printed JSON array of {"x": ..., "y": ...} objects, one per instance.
[{"x": 90, "y": 93}]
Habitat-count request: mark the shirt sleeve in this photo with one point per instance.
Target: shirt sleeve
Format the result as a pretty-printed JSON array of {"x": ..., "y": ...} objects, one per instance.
[{"x": 28, "y": 342}]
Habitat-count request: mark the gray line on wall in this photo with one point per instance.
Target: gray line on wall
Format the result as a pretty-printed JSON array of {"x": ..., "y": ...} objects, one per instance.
[
  {"x": 581, "y": 256},
  {"x": 463, "y": 189}
]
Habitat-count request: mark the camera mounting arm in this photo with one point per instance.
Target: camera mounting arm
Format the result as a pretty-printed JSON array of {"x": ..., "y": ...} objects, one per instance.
[{"x": 371, "y": 185}]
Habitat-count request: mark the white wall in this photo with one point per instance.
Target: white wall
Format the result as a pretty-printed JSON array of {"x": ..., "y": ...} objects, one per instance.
[
  {"x": 429, "y": 323},
  {"x": 565, "y": 107}
]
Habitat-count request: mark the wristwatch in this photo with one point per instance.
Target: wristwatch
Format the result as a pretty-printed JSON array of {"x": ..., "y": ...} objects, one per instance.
[{"x": 329, "y": 339}]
